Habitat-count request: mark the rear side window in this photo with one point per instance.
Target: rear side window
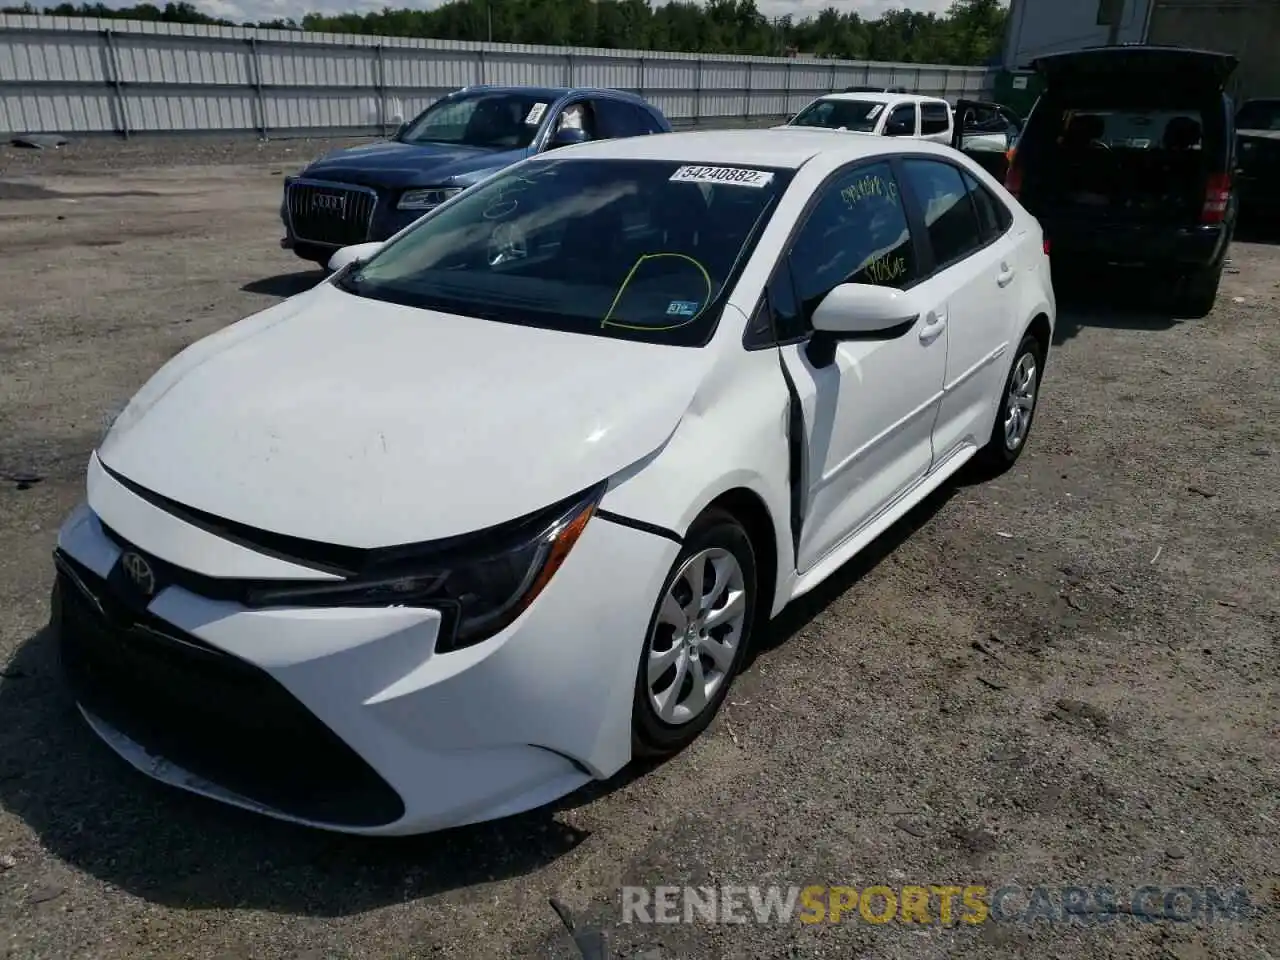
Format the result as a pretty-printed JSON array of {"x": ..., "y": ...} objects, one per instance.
[
  {"x": 645, "y": 120},
  {"x": 934, "y": 118},
  {"x": 616, "y": 119},
  {"x": 949, "y": 215},
  {"x": 994, "y": 217}
]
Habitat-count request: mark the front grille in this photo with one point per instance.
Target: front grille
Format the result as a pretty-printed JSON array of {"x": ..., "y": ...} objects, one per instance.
[
  {"x": 330, "y": 213},
  {"x": 208, "y": 712}
]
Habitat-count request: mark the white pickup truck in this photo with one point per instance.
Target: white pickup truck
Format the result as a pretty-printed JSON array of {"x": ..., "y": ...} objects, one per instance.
[{"x": 885, "y": 114}]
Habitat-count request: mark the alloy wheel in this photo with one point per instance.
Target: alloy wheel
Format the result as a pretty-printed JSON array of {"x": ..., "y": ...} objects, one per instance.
[
  {"x": 1021, "y": 402},
  {"x": 696, "y": 635}
]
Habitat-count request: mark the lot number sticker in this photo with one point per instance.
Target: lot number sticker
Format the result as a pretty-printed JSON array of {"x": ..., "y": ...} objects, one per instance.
[
  {"x": 734, "y": 176},
  {"x": 535, "y": 113}
]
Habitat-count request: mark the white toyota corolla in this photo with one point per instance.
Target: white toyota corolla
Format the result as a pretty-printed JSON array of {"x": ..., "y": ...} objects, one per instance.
[{"x": 500, "y": 506}]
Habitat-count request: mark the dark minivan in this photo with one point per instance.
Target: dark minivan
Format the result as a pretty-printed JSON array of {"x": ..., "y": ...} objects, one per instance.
[
  {"x": 1127, "y": 160},
  {"x": 372, "y": 192}
]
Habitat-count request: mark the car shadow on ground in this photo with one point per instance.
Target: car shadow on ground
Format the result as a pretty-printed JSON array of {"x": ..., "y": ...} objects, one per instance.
[
  {"x": 91, "y": 810},
  {"x": 1112, "y": 300},
  {"x": 286, "y": 284}
]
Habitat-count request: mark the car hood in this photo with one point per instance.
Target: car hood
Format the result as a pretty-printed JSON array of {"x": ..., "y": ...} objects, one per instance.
[
  {"x": 389, "y": 163},
  {"x": 361, "y": 423}
]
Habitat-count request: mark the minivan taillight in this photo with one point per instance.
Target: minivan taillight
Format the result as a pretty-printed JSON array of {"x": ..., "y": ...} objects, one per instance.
[
  {"x": 1013, "y": 173},
  {"x": 1216, "y": 196}
]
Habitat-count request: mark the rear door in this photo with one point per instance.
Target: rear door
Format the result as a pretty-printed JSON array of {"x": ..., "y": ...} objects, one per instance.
[
  {"x": 935, "y": 121},
  {"x": 973, "y": 247}
]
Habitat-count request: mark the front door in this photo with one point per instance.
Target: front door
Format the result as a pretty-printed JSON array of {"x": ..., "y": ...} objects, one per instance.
[{"x": 868, "y": 411}]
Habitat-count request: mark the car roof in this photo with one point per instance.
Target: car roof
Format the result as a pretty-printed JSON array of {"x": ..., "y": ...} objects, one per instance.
[
  {"x": 555, "y": 93},
  {"x": 868, "y": 96},
  {"x": 787, "y": 149}
]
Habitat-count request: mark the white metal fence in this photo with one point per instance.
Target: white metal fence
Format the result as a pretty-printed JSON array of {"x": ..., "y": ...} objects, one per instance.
[{"x": 80, "y": 76}]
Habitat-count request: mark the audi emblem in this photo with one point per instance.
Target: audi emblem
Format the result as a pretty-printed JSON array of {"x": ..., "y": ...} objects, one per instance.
[
  {"x": 140, "y": 572},
  {"x": 329, "y": 202}
]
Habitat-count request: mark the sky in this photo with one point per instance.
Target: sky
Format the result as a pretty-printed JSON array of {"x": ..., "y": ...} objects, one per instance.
[{"x": 255, "y": 10}]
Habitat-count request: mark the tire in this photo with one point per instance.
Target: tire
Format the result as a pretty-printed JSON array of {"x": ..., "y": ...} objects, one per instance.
[
  {"x": 718, "y": 542},
  {"x": 1001, "y": 451},
  {"x": 1198, "y": 292}
]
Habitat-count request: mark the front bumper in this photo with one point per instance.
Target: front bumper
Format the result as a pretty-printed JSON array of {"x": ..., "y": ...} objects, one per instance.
[{"x": 346, "y": 719}]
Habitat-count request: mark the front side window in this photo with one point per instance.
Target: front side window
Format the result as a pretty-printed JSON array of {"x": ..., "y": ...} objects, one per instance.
[
  {"x": 857, "y": 233},
  {"x": 634, "y": 249},
  {"x": 838, "y": 114},
  {"x": 494, "y": 121},
  {"x": 949, "y": 216},
  {"x": 902, "y": 122}
]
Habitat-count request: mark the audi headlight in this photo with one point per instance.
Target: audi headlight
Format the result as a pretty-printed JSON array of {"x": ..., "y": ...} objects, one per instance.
[
  {"x": 427, "y": 199},
  {"x": 480, "y": 582}
]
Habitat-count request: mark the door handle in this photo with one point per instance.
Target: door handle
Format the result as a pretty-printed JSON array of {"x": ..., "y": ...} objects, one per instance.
[
  {"x": 1005, "y": 276},
  {"x": 932, "y": 328}
]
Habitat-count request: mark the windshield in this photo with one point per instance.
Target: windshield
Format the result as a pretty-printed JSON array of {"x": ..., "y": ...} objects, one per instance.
[
  {"x": 859, "y": 115},
  {"x": 496, "y": 121},
  {"x": 635, "y": 249},
  {"x": 1259, "y": 115}
]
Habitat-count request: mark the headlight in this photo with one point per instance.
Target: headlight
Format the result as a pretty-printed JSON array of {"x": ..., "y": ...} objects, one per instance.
[
  {"x": 480, "y": 582},
  {"x": 426, "y": 199}
]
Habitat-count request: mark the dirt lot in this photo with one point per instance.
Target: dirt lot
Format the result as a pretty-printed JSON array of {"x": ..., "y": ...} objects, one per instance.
[{"x": 1068, "y": 676}]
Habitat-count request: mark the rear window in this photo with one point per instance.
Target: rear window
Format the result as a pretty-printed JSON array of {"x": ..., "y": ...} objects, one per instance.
[
  {"x": 1132, "y": 129},
  {"x": 1259, "y": 115}
]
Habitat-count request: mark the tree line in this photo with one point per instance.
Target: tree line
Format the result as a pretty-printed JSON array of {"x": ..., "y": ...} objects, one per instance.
[{"x": 969, "y": 33}]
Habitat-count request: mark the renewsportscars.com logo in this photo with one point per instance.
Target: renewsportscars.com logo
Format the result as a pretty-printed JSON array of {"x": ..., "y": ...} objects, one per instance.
[{"x": 970, "y": 904}]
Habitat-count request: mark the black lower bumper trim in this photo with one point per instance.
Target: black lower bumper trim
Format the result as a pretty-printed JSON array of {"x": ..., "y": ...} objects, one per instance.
[{"x": 208, "y": 712}]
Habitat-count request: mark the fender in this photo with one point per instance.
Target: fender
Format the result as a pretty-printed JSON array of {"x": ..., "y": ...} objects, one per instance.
[{"x": 733, "y": 436}]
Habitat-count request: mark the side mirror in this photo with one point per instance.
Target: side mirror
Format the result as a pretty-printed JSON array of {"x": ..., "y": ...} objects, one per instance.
[
  {"x": 400, "y": 130},
  {"x": 358, "y": 252},
  {"x": 566, "y": 137},
  {"x": 896, "y": 129},
  {"x": 864, "y": 311}
]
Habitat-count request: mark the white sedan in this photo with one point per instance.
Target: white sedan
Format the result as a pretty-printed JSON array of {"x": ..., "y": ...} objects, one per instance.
[{"x": 500, "y": 506}]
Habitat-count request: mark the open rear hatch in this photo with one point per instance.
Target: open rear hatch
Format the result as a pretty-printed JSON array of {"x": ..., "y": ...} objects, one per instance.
[
  {"x": 1151, "y": 70},
  {"x": 1126, "y": 135}
]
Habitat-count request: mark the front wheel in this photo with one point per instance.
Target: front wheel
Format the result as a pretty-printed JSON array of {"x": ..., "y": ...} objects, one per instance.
[
  {"x": 697, "y": 636},
  {"x": 1017, "y": 408}
]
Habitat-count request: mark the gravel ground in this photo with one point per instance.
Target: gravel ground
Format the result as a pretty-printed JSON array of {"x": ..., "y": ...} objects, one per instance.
[{"x": 1067, "y": 676}]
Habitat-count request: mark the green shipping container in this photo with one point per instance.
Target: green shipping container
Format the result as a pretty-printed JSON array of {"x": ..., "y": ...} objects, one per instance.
[{"x": 1018, "y": 90}]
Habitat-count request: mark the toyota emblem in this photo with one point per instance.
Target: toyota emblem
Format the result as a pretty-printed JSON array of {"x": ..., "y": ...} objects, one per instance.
[{"x": 140, "y": 572}]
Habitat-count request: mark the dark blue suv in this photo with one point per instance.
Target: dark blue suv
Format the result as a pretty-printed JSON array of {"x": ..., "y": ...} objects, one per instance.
[{"x": 371, "y": 192}]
